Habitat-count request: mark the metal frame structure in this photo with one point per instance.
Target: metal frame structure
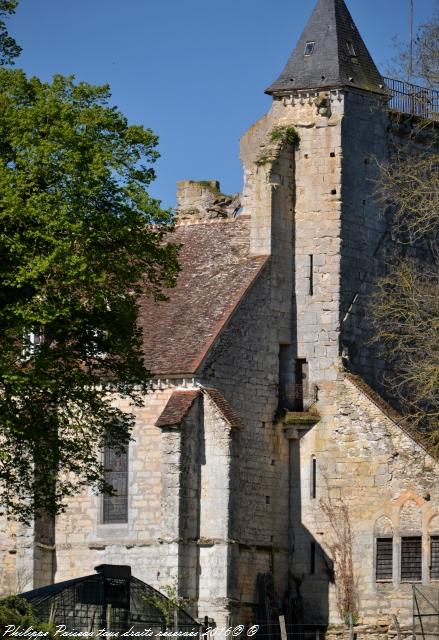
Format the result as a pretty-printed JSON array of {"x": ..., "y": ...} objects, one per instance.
[
  {"x": 425, "y": 613},
  {"x": 111, "y": 599}
]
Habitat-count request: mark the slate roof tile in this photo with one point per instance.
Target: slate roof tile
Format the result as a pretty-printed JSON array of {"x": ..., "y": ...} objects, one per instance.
[{"x": 332, "y": 63}]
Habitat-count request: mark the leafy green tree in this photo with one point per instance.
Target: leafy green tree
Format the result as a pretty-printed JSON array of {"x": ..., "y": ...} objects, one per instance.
[
  {"x": 80, "y": 242},
  {"x": 9, "y": 49}
]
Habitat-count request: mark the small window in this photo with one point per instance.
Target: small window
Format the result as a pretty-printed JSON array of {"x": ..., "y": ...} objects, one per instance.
[
  {"x": 351, "y": 49},
  {"x": 313, "y": 478},
  {"x": 411, "y": 559},
  {"x": 309, "y": 48},
  {"x": 115, "y": 507},
  {"x": 312, "y": 567},
  {"x": 434, "y": 558},
  {"x": 31, "y": 344},
  {"x": 384, "y": 559},
  {"x": 311, "y": 274}
]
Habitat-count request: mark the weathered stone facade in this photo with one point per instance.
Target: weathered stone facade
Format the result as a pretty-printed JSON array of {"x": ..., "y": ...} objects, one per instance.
[{"x": 278, "y": 440}]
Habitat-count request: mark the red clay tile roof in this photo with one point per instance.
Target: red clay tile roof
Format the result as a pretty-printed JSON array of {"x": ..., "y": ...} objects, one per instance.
[
  {"x": 217, "y": 271},
  {"x": 223, "y": 407},
  {"x": 177, "y": 408},
  {"x": 390, "y": 412}
]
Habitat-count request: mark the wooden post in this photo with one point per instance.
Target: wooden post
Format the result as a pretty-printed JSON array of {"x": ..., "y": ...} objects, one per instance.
[
  {"x": 108, "y": 626},
  {"x": 283, "y": 628}
]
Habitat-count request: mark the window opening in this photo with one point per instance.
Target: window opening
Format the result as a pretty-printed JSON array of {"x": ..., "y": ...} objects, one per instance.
[
  {"x": 311, "y": 275},
  {"x": 434, "y": 558},
  {"x": 309, "y": 48},
  {"x": 31, "y": 344},
  {"x": 312, "y": 568},
  {"x": 313, "y": 478},
  {"x": 384, "y": 559},
  {"x": 411, "y": 559},
  {"x": 301, "y": 385},
  {"x": 115, "y": 507}
]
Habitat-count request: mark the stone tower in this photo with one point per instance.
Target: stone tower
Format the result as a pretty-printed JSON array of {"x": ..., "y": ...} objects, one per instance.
[
  {"x": 332, "y": 94},
  {"x": 349, "y": 460}
]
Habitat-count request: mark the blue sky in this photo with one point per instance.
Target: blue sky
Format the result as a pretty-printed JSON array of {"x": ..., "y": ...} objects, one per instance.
[{"x": 192, "y": 70}]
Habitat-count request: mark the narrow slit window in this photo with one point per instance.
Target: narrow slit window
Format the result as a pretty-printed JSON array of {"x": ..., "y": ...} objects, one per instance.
[
  {"x": 309, "y": 48},
  {"x": 311, "y": 275},
  {"x": 434, "y": 558},
  {"x": 312, "y": 567},
  {"x": 115, "y": 507},
  {"x": 411, "y": 559},
  {"x": 384, "y": 560},
  {"x": 313, "y": 478}
]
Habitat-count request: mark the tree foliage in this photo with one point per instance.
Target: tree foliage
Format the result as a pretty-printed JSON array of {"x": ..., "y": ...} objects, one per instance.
[
  {"x": 9, "y": 49},
  {"x": 80, "y": 241},
  {"x": 405, "y": 309}
]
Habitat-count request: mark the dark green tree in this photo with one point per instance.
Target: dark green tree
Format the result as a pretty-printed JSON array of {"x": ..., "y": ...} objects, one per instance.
[
  {"x": 9, "y": 49},
  {"x": 80, "y": 242}
]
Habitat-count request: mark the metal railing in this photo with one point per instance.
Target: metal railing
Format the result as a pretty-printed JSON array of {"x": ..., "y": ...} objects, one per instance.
[{"x": 412, "y": 99}]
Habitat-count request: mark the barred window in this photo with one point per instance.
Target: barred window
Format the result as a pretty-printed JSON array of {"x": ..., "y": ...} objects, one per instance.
[
  {"x": 384, "y": 559},
  {"x": 434, "y": 558},
  {"x": 411, "y": 559},
  {"x": 115, "y": 507}
]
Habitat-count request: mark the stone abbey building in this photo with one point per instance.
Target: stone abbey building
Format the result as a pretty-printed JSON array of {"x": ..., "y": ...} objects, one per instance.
[{"x": 265, "y": 465}]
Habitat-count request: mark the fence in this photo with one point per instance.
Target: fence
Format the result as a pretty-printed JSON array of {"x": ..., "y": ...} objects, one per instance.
[{"x": 412, "y": 99}]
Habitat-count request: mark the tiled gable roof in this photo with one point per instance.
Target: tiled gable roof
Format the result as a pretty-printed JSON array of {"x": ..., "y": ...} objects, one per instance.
[
  {"x": 177, "y": 408},
  {"x": 229, "y": 414},
  {"x": 217, "y": 271}
]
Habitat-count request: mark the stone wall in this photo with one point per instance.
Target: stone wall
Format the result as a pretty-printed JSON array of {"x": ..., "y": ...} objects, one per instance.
[
  {"x": 387, "y": 483},
  {"x": 245, "y": 365}
]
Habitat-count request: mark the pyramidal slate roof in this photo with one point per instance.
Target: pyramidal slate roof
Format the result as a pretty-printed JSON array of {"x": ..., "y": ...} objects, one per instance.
[{"x": 330, "y": 54}]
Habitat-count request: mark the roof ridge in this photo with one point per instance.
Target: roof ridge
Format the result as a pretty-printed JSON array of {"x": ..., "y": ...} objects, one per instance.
[{"x": 197, "y": 223}]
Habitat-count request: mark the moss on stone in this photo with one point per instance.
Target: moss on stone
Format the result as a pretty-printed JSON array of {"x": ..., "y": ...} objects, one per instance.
[{"x": 285, "y": 134}]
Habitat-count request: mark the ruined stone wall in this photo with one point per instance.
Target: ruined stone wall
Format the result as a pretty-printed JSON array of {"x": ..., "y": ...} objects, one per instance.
[{"x": 386, "y": 481}]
